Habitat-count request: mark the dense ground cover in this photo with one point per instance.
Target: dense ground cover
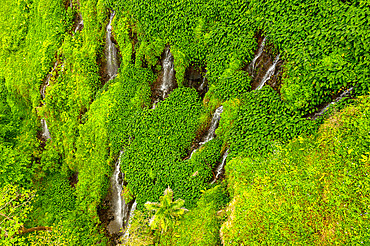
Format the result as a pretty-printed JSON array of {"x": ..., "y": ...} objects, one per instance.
[
  {"x": 313, "y": 191},
  {"x": 324, "y": 49}
]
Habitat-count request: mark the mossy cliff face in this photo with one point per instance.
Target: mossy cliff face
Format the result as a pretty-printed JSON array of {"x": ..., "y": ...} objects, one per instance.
[{"x": 322, "y": 50}]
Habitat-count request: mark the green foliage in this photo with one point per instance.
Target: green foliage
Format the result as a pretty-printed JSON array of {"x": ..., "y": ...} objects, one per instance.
[
  {"x": 109, "y": 126},
  {"x": 317, "y": 196},
  {"x": 325, "y": 44},
  {"x": 153, "y": 159},
  {"x": 58, "y": 236},
  {"x": 14, "y": 167},
  {"x": 263, "y": 121},
  {"x": 167, "y": 211},
  {"x": 139, "y": 231},
  {"x": 54, "y": 202},
  {"x": 201, "y": 225},
  {"x": 14, "y": 207}
]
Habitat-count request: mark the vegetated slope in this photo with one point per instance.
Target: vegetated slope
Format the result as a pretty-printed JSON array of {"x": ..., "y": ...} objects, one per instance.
[
  {"x": 312, "y": 191},
  {"x": 324, "y": 46}
]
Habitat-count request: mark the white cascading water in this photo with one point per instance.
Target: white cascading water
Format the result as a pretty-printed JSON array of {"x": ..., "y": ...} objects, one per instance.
[
  {"x": 211, "y": 133},
  {"x": 111, "y": 50},
  {"x": 47, "y": 81},
  {"x": 214, "y": 124},
  {"x": 119, "y": 206},
  {"x": 201, "y": 87},
  {"x": 155, "y": 104},
  {"x": 269, "y": 72},
  {"x": 337, "y": 99},
  {"x": 168, "y": 78},
  {"x": 80, "y": 25},
  {"x": 259, "y": 53},
  {"x": 168, "y": 74},
  {"x": 130, "y": 216},
  {"x": 45, "y": 129},
  {"x": 220, "y": 167}
]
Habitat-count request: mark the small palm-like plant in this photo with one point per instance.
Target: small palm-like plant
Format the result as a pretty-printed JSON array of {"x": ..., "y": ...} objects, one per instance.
[{"x": 167, "y": 211}]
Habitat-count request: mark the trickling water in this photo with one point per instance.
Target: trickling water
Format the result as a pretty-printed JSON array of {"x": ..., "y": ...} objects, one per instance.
[
  {"x": 259, "y": 53},
  {"x": 119, "y": 207},
  {"x": 269, "y": 73},
  {"x": 45, "y": 130},
  {"x": 211, "y": 133},
  {"x": 129, "y": 219},
  {"x": 80, "y": 25},
  {"x": 111, "y": 50},
  {"x": 168, "y": 74},
  {"x": 220, "y": 167},
  {"x": 337, "y": 99},
  {"x": 214, "y": 124},
  {"x": 47, "y": 81},
  {"x": 155, "y": 104},
  {"x": 201, "y": 87},
  {"x": 167, "y": 82}
]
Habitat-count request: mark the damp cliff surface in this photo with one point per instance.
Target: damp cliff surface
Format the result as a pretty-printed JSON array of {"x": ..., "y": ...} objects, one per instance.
[
  {"x": 220, "y": 169},
  {"x": 120, "y": 211},
  {"x": 166, "y": 81},
  {"x": 325, "y": 107},
  {"x": 211, "y": 132},
  {"x": 265, "y": 68},
  {"x": 110, "y": 61},
  {"x": 196, "y": 77}
]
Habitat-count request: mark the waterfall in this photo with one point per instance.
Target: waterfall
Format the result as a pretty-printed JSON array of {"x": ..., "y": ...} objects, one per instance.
[
  {"x": 45, "y": 129},
  {"x": 201, "y": 87},
  {"x": 47, "y": 81},
  {"x": 269, "y": 73},
  {"x": 120, "y": 208},
  {"x": 111, "y": 51},
  {"x": 337, "y": 99},
  {"x": 155, "y": 103},
  {"x": 214, "y": 124},
  {"x": 211, "y": 133},
  {"x": 80, "y": 25},
  {"x": 130, "y": 216},
  {"x": 259, "y": 53},
  {"x": 220, "y": 167},
  {"x": 168, "y": 74},
  {"x": 167, "y": 82}
]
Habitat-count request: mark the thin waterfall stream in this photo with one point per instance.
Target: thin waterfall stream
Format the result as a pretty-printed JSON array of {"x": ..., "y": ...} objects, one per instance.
[
  {"x": 344, "y": 94},
  {"x": 259, "y": 53},
  {"x": 269, "y": 72},
  {"x": 129, "y": 218},
  {"x": 220, "y": 168},
  {"x": 45, "y": 130},
  {"x": 122, "y": 211},
  {"x": 80, "y": 24},
  {"x": 111, "y": 51},
  {"x": 167, "y": 83},
  {"x": 211, "y": 133}
]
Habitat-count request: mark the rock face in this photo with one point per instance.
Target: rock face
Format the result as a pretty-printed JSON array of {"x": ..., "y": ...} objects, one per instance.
[
  {"x": 325, "y": 106},
  {"x": 265, "y": 67},
  {"x": 196, "y": 78},
  {"x": 111, "y": 52},
  {"x": 166, "y": 81},
  {"x": 211, "y": 133}
]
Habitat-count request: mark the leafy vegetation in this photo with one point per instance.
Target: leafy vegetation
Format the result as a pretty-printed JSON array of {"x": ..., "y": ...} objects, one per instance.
[
  {"x": 317, "y": 196},
  {"x": 289, "y": 180}
]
